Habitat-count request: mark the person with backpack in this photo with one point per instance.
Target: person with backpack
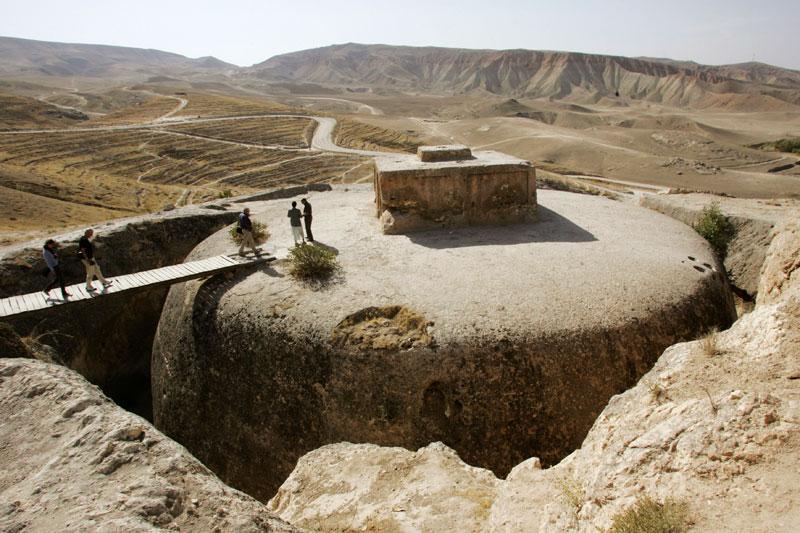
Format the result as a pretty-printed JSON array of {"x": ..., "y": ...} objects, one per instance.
[
  {"x": 86, "y": 255},
  {"x": 297, "y": 226},
  {"x": 50, "y": 254},
  {"x": 245, "y": 229}
]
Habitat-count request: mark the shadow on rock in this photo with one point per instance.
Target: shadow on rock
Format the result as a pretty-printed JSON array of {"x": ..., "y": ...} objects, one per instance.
[{"x": 551, "y": 227}]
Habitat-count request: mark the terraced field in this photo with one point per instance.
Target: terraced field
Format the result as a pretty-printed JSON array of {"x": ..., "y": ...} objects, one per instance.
[
  {"x": 203, "y": 104},
  {"x": 146, "y": 109},
  {"x": 284, "y": 131},
  {"x": 355, "y": 134},
  {"x": 84, "y": 176}
]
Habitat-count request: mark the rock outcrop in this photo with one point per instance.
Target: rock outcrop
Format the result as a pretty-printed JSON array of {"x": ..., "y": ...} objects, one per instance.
[
  {"x": 754, "y": 220},
  {"x": 71, "y": 460},
  {"x": 715, "y": 423},
  {"x": 501, "y": 342}
]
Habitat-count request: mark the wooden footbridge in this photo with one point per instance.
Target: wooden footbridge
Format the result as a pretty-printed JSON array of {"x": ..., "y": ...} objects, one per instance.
[{"x": 27, "y": 304}]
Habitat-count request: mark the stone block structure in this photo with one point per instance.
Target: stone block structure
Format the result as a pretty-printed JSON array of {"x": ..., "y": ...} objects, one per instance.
[{"x": 449, "y": 186}]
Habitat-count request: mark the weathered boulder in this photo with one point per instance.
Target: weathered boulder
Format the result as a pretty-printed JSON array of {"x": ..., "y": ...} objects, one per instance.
[
  {"x": 715, "y": 424},
  {"x": 71, "y": 460},
  {"x": 501, "y": 342}
]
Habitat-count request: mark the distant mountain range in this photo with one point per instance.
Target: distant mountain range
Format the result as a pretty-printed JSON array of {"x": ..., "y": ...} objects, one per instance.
[
  {"x": 21, "y": 57},
  {"x": 528, "y": 73},
  {"x": 514, "y": 73}
]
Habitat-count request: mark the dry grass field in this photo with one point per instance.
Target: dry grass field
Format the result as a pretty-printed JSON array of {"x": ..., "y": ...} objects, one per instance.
[
  {"x": 356, "y": 134},
  {"x": 292, "y": 132}
]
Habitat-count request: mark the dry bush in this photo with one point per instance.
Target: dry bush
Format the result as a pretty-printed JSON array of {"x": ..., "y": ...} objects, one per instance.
[
  {"x": 708, "y": 344},
  {"x": 657, "y": 392},
  {"x": 312, "y": 263},
  {"x": 260, "y": 233},
  {"x": 572, "y": 493},
  {"x": 650, "y": 516}
]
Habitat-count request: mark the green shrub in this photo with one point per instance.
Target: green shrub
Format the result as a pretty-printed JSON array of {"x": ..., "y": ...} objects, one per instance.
[
  {"x": 312, "y": 263},
  {"x": 260, "y": 233},
  {"x": 227, "y": 193},
  {"x": 788, "y": 145},
  {"x": 649, "y": 516},
  {"x": 716, "y": 228}
]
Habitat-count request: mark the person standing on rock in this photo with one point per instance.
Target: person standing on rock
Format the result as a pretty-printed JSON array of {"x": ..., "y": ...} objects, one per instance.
[
  {"x": 50, "y": 254},
  {"x": 297, "y": 227},
  {"x": 246, "y": 227},
  {"x": 307, "y": 219},
  {"x": 86, "y": 254}
]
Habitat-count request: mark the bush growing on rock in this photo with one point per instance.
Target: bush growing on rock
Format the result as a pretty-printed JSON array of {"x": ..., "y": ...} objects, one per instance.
[
  {"x": 716, "y": 228},
  {"x": 312, "y": 263},
  {"x": 650, "y": 516},
  {"x": 260, "y": 233}
]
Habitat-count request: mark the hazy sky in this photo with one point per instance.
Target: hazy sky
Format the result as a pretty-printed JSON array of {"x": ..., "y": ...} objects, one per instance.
[{"x": 249, "y": 31}]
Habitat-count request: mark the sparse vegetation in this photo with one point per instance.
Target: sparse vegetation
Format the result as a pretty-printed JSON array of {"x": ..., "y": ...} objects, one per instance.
[
  {"x": 260, "y": 233},
  {"x": 714, "y": 407},
  {"x": 227, "y": 193},
  {"x": 314, "y": 263},
  {"x": 657, "y": 392},
  {"x": 572, "y": 493},
  {"x": 790, "y": 145},
  {"x": 648, "y": 515},
  {"x": 708, "y": 344},
  {"x": 716, "y": 228}
]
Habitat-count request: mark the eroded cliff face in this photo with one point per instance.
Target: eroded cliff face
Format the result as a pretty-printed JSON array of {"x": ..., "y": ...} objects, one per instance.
[
  {"x": 281, "y": 370},
  {"x": 715, "y": 423},
  {"x": 73, "y": 461}
]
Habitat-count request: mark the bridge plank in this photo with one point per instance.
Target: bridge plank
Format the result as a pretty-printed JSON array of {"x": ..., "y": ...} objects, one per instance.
[
  {"x": 5, "y": 307},
  {"x": 36, "y": 300},
  {"x": 157, "y": 275},
  {"x": 15, "y": 304}
]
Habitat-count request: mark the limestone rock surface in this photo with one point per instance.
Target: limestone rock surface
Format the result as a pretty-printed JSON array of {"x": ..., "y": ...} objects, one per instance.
[
  {"x": 502, "y": 342},
  {"x": 715, "y": 423},
  {"x": 754, "y": 220},
  {"x": 71, "y": 460}
]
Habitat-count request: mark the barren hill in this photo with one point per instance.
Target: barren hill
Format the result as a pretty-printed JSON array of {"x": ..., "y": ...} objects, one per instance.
[
  {"x": 21, "y": 57},
  {"x": 584, "y": 77}
]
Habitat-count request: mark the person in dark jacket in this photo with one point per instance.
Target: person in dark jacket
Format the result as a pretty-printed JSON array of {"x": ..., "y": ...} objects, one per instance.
[
  {"x": 50, "y": 254},
  {"x": 86, "y": 253},
  {"x": 246, "y": 227},
  {"x": 307, "y": 219}
]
